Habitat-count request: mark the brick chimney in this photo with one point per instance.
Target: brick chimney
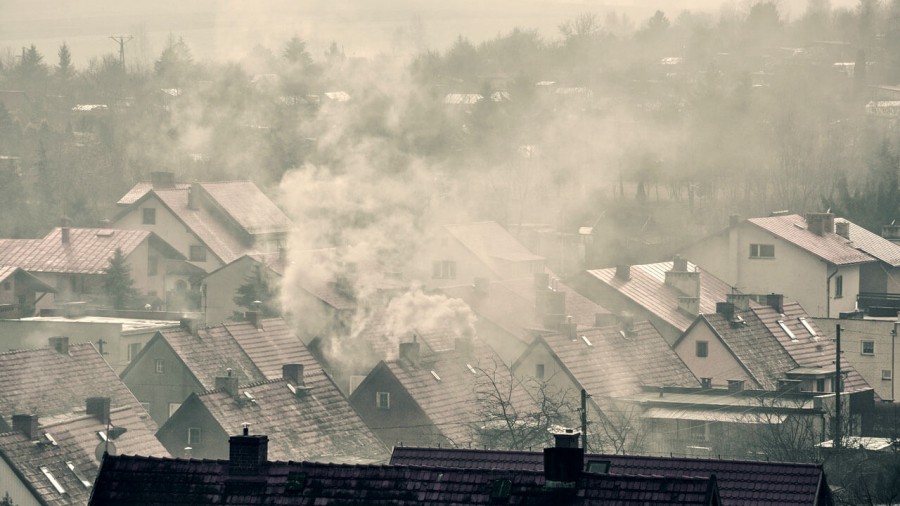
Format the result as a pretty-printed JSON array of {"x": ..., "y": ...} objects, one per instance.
[
  {"x": 726, "y": 309},
  {"x": 627, "y": 321},
  {"x": 741, "y": 301},
  {"x": 65, "y": 225},
  {"x": 293, "y": 373},
  {"x": 253, "y": 318},
  {"x": 60, "y": 344},
  {"x": 194, "y": 196},
  {"x": 228, "y": 383},
  {"x": 564, "y": 462},
  {"x": 679, "y": 278},
  {"x": 98, "y": 407},
  {"x": 842, "y": 228},
  {"x": 191, "y": 325},
  {"x": 820, "y": 223},
  {"x": 775, "y": 301},
  {"x": 891, "y": 232},
  {"x": 410, "y": 352},
  {"x": 569, "y": 328},
  {"x": 689, "y": 305},
  {"x": 247, "y": 454},
  {"x": 26, "y": 424},
  {"x": 623, "y": 272}
]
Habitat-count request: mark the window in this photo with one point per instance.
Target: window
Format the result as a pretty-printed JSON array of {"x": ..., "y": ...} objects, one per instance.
[
  {"x": 383, "y": 400},
  {"x": 702, "y": 349},
  {"x": 539, "y": 371},
  {"x": 149, "y": 216},
  {"x": 867, "y": 347},
  {"x": 820, "y": 385},
  {"x": 445, "y": 269},
  {"x": 193, "y": 435},
  {"x": 887, "y": 374},
  {"x": 134, "y": 349},
  {"x": 838, "y": 287},
  {"x": 173, "y": 407},
  {"x": 762, "y": 251},
  {"x": 198, "y": 254},
  {"x": 152, "y": 265},
  {"x": 160, "y": 366},
  {"x": 786, "y": 330}
]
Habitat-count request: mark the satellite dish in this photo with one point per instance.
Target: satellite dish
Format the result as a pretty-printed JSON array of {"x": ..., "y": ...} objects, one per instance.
[{"x": 104, "y": 447}]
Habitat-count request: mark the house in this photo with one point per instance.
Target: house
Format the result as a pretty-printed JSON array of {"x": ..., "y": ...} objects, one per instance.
[
  {"x": 669, "y": 295},
  {"x": 56, "y": 462},
  {"x": 117, "y": 338},
  {"x": 512, "y": 312},
  {"x": 821, "y": 262},
  {"x": 248, "y": 477},
  {"x": 608, "y": 364},
  {"x": 73, "y": 260},
  {"x": 178, "y": 362},
  {"x": 19, "y": 292},
  {"x": 304, "y": 412},
  {"x": 869, "y": 345},
  {"x": 764, "y": 346},
  {"x": 453, "y": 397},
  {"x": 212, "y": 224},
  {"x": 472, "y": 250},
  {"x": 741, "y": 482}
]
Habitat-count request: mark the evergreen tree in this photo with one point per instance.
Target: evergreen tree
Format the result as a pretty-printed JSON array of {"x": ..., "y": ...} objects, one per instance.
[
  {"x": 118, "y": 284},
  {"x": 64, "y": 70},
  {"x": 256, "y": 288}
]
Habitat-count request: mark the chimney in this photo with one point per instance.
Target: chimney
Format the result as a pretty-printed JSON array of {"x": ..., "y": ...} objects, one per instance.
[
  {"x": 98, "y": 407},
  {"x": 541, "y": 281},
  {"x": 820, "y": 223},
  {"x": 253, "y": 318},
  {"x": 293, "y": 373},
  {"x": 162, "y": 179},
  {"x": 891, "y": 232},
  {"x": 549, "y": 302},
  {"x": 605, "y": 319},
  {"x": 735, "y": 386},
  {"x": 465, "y": 346},
  {"x": 26, "y": 424},
  {"x": 679, "y": 264},
  {"x": 564, "y": 462},
  {"x": 734, "y": 219},
  {"x": 228, "y": 384},
  {"x": 627, "y": 320},
  {"x": 481, "y": 286},
  {"x": 64, "y": 229},
  {"x": 726, "y": 309},
  {"x": 247, "y": 454},
  {"x": 570, "y": 329},
  {"x": 410, "y": 352},
  {"x": 684, "y": 281},
  {"x": 689, "y": 305},
  {"x": 60, "y": 344},
  {"x": 191, "y": 325},
  {"x": 194, "y": 196},
  {"x": 741, "y": 301},
  {"x": 706, "y": 383},
  {"x": 623, "y": 272},
  {"x": 842, "y": 228},
  {"x": 188, "y": 452},
  {"x": 776, "y": 301}
]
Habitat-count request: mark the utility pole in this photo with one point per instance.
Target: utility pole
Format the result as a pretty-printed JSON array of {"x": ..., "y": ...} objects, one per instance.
[
  {"x": 584, "y": 442},
  {"x": 122, "y": 40},
  {"x": 838, "y": 436}
]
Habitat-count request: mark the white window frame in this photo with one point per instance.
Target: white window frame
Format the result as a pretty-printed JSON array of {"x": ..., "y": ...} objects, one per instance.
[
  {"x": 385, "y": 397},
  {"x": 160, "y": 366},
  {"x": 862, "y": 347},
  {"x": 173, "y": 407},
  {"x": 197, "y": 439},
  {"x": 887, "y": 374}
]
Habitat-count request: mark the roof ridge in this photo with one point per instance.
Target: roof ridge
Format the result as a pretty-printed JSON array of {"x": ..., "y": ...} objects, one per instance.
[{"x": 47, "y": 348}]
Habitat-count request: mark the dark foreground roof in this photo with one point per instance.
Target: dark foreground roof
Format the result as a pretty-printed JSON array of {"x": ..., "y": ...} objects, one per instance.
[
  {"x": 740, "y": 482},
  {"x": 149, "y": 481}
]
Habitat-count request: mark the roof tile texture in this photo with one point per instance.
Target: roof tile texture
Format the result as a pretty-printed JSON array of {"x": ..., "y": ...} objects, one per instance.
[
  {"x": 87, "y": 252},
  {"x": 829, "y": 246}
]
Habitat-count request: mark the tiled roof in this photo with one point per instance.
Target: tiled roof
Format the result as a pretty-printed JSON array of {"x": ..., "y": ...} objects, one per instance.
[
  {"x": 614, "y": 365},
  {"x": 142, "y": 481},
  {"x": 647, "y": 288},
  {"x": 741, "y": 483},
  {"x": 376, "y": 337},
  {"x": 321, "y": 425},
  {"x": 808, "y": 350},
  {"x": 87, "y": 252},
  {"x": 456, "y": 400},
  {"x": 873, "y": 244},
  {"x": 249, "y": 207},
  {"x": 141, "y": 188},
  {"x": 7, "y": 271},
  {"x": 510, "y": 305},
  {"x": 271, "y": 346},
  {"x": 47, "y": 383},
  {"x": 77, "y": 441},
  {"x": 491, "y": 242},
  {"x": 211, "y": 353},
  {"x": 829, "y": 247},
  {"x": 216, "y": 235}
]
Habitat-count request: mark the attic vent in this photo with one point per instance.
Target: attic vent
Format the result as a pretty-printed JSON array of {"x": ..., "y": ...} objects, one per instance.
[
  {"x": 49, "y": 475},
  {"x": 587, "y": 341},
  {"x": 808, "y": 327},
  {"x": 472, "y": 369},
  {"x": 249, "y": 396},
  {"x": 50, "y": 439},
  {"x": 435, "y": 375},
  {"x": 71, "y": 466},
  {"x": 787, "y": 330},
  {"x": 105, "y": 233}
]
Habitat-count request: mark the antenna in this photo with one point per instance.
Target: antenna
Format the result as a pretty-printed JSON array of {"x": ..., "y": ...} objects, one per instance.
[{"x": 122, "y": 40}]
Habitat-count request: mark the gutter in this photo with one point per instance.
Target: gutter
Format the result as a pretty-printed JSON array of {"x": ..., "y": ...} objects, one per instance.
[{"x": 828, "y": 292}]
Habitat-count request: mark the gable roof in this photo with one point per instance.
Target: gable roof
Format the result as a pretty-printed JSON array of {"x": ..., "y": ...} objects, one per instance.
[
  {"x": 829, "y": 246},
  {"x": 647, "y": 288},
  {"x": 143, "y": 480},
  {"x": 48, "y": 383},
  {"x": 319, "y": 425},
  {"x": 249, "y": 207},
  {"x": 613, "y": 364},
  {"x": 491, "y": 243},
  {"x": 741, "y": 483},
  {"x": 873, "y": 244},
  {"x": 142, "y": 187},
  {"x": 270, "y": 346},
  {"x": 87, "y": 252},
  {"x": 75, "y": 441},
  {"x": 8, "y": 271}
]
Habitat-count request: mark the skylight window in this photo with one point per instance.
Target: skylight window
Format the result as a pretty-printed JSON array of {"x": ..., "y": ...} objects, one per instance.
[
  {"x": 787, "y": 330},
  {"x": 102, "y": 435},
  {"x": 49, "y": 475},
  {"x": 471, "y": 369},
  {"x": 50, "y": 439},
  {"x": 808, "y": 327},
  {"x": 249, "y": 396},
  {"x": 435, "y": 375},
  {"x": 71, "y": 466},
  {"x": 587, "y": 341}
]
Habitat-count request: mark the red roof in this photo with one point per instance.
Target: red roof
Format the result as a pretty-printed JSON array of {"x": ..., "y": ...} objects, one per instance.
[
  {"x": 741, "y": 483},
  {"x": 873, "y": 244},
  {"x": 829, "y": 246}
]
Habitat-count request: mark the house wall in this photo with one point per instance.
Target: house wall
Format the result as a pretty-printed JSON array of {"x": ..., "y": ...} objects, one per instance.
[
  {"x": 221, "y": 287},
  {"x": 874, "y": 278},
  {"x": 444, "y": 247},
  {"x": 893, "y": 278},
  {"x": 871, "y": 367},
  {"x": 719, "y": 364},
  {"x": 12, "y": 485},
  {"x": 158, "y": 390},
  {"x": 505, "y": 344},
  {"x": 213, "y": 438},
  {"x": 404, "y": 422},
  {"x": 555, "y": 377}
]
